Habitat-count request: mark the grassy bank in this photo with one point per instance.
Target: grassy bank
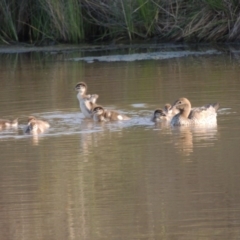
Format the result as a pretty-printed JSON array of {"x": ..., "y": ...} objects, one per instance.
[{"x": 73, "y": 21}]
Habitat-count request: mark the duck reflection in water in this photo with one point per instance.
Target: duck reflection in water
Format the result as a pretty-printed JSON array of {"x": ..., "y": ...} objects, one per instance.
[
  {"x": 183, "y": 141},
  {"x": 186, "y": 137}
]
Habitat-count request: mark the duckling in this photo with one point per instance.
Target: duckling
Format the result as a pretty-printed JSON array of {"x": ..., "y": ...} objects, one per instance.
[
  {"x": 199, "y": 115},
  {"x": 85, "y": 100},
  {"x": 103, "y": 115},
  {"x": 36, "y": 126},
  {"x": 159, "y": 115},
  {"x": 170, "y": 110},
  {"x": 5, "y": 123},
  {"x": 165, "y": 114}
]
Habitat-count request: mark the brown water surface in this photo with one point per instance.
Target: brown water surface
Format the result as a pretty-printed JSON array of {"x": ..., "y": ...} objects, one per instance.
[{"x": 120, "y": 180}]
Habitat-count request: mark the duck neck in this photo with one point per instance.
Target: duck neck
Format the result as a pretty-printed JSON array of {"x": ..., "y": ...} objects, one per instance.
[
  {"x": 185, "y": 111},
  {"x": 80, "y": 95}
]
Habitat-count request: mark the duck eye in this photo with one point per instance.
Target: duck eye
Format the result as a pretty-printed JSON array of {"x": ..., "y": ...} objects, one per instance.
[{"x": 179, "y": 102}]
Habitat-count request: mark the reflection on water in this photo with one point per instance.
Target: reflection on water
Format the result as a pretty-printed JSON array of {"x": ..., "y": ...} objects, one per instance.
[
  {"x": 118, "y": 180},
  {"x": 188, "y": 137}
]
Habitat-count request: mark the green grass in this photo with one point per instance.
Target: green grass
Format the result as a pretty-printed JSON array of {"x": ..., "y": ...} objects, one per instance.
[
  {"x": 75, "y": 21},
  {"x": 8, "y": 29}
]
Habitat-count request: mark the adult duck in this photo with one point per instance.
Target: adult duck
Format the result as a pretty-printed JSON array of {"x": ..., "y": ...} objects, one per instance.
[{"x": 199, "y": 115}]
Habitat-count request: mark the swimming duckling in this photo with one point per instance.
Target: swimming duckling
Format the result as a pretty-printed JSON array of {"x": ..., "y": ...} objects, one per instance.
[
  {"x": 5, "y": 123},
  {"x": 199, "y": 115},
  {"x": 102, "y": 115},
  {"x": 165, "y": 114},
  {"x": 159, "y": 115},
  {"x": 85, "y": 100},
  {"x": 36, "y": 126},
  {"x": 170, "y": 110}
]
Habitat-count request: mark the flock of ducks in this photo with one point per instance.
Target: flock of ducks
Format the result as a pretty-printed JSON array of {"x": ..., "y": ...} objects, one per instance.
[
  {"x": 178, "y": 114},
  {"x": 181, "y": 113},
  {"x": 92, "y": 110},
  {"x": 34, "y": 125}
]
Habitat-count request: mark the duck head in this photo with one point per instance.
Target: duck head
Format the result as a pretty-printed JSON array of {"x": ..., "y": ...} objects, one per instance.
[
  {"x": 98, "y": 110},
  {"x": 167, "y": 107},
  {"x": 81, "y": 87},
  {"x": 32, "y": 126},
  {"x": 158, "y": 113},
  {"x": 182, "y": 104}
]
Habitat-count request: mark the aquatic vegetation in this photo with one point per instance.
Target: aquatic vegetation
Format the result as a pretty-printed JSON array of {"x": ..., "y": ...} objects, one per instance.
[{"x": 73, "y": 21}]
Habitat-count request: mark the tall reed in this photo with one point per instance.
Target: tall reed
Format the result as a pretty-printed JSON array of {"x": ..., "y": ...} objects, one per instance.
[
  {"x": 8, "y": 13},
  {"x": 76, "y": 21},
  {"x": 64, "y": 18}
]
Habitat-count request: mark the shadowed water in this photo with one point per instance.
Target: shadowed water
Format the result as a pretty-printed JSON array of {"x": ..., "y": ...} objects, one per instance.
[{"x": 119, "y": 180}]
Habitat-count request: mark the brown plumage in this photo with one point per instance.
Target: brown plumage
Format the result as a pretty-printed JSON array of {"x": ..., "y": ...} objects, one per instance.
[
  {"x": 199, "y": 115},
  {"x": 165, "y": 114},
  {"x": 103, "y": 115},
  {"x": 36, "y": 126},
  {"x": 159, "y": 115},
  {"x": 5, "y": 123}
]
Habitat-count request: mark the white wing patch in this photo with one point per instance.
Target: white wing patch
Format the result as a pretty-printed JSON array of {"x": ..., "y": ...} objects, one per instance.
[{"x": 120, "y": 117}]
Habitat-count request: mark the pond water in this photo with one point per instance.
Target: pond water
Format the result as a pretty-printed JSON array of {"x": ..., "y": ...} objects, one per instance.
[{"x": 119, "y": 180}]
